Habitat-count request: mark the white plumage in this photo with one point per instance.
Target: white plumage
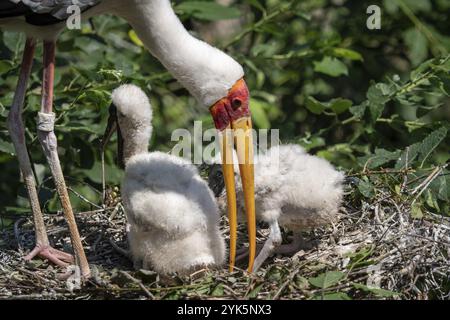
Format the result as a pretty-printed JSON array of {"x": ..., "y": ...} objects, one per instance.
[
  {"x": 207, "y": 72},
  {"x": 292, "y": 189},
  {"x": 173, "y": 217}
]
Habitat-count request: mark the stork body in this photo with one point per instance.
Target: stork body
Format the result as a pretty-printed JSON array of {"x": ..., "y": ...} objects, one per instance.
[
  {"x": 173, "y": 216},
  {"x": 212, "y": 76},
  {"x": 294, "y": 190}
]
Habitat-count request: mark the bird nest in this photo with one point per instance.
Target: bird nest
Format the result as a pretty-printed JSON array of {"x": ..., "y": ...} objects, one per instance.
[{"x": 376, "y": 250}]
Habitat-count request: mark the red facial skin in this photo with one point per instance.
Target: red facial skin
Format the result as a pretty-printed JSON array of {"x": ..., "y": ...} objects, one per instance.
[{"x": 233, "y": 107}]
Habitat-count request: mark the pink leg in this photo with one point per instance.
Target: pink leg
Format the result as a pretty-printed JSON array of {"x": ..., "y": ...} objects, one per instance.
[
  {"x": 17, "y": 133},
  {"x": 48, "y": 141}
]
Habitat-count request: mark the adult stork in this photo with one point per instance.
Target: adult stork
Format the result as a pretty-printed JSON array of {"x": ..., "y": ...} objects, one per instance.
[{"x": 211, "y": 76}]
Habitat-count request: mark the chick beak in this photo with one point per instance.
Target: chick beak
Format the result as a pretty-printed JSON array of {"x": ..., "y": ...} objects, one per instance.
[
  {"x": 111, "y": 127},
  {"x": 232, "y": 119}
]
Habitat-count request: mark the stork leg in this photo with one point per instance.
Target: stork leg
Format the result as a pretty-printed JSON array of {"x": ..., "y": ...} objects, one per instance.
[
  {"x": 17, "y": 132},
  {"x": 47, "y": 138},
  {"x": 270, "y": 245}
]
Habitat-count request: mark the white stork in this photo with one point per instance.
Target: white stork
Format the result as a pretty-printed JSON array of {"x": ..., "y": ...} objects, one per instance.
[{"x": 213, "y": 77}]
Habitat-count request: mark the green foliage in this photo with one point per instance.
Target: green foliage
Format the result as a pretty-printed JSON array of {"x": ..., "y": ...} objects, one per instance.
[
  {"x": 326, "y": 280},
  {"x": 209, "y": 11},
  {"x": 366, "y": 100},
  {"x": 377, "y": 292}
]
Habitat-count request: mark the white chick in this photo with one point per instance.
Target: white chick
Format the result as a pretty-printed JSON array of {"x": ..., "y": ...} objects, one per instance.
[
  {"x": 172, "y": 214},
  {"x": 293, "y": 189}
]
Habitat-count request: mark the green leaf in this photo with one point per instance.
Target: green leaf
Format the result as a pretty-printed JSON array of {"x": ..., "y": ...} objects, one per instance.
[
  {"x": 327, "y": 279},
  {"x": 332, "y": 296},
  {"x": 417, "y": 44},
  {"x": 347, "y": 53},
  {"x": 331, "y": 66},
  {"x": 13, "y": 40},
  {"x": 359, "y": 110},
  {"x": 6, "y": 147},
  {"x": 256, "y": 4},
  {"x": 409, "y": 154},
  {"x": 431, "y": 199},
  {"x": 254, "y": 292},
  {"x": 376, "y": 291},
  {"x": 441, "y": 186},
  {"x": 380, "y": 158},
  {"x": 217, "y": 291},
  {"x": 340, "y": 105},
  {"x": 314, "y": 106},
  {"x": 312, "y": 142},
  {"x": 377, "y": 96},
  {"x": 415, "y": 6},
  {"x": 134, "y": 37},
  {"x": 366, "y": 188},
  {"x": 416, "y": 211},
  {"x": 5, "y": 66},
  {"x": 422, "y": 68},
  {"x": 390, "y": 6},
  {"x": 430, "y": 143},
  {"x": 209, "y": 11},
  {"x": 259, "y": 114}
]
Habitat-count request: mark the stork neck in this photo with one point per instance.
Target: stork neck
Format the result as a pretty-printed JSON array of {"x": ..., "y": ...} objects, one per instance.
[
  {"x": 205, "y": 71},
  {"x": 135, "y": 139}
]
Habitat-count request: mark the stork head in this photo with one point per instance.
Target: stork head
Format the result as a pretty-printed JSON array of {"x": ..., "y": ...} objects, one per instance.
[
  {"x": 231, "y": 116},
  {"x": 130, "y": 114}
]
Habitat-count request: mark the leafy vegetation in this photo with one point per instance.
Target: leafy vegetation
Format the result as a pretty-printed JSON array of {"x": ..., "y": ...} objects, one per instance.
[{"x": 373, "y": 102}]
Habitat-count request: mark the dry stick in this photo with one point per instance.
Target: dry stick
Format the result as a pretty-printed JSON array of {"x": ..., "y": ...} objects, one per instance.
[
  {"x": 103, "y": 177},
  {"x": 405, "y": 176},
  {"x": 424, "y": 185},
  {"x": 366, "y": 172},
  {"x": 115, "y": 210},
  {"x": 289, "y": 279},
  {"x": 38, "y": 296},
  {"x": 33, "y": 274},
  {"x": 80, "y": 196},
  {"x": 17, "y": 231},
  {"x": 138, "y": 282}
]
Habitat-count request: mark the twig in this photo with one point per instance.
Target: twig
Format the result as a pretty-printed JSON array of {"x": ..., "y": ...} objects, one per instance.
[
  {"x": 138, "y": 282},
  {"x": 289, "y": 280},
  {"x": 83, "y": 198},
  {"x": 424, "y": 185},
  {"x": 17, "y": 232},
  {"x": 282, "y": 8}
]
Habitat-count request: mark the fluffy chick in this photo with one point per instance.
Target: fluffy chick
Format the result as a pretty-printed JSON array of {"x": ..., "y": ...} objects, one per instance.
[
  {"x": 293, "y": 189},
  {"x": 172, "y": 214}
]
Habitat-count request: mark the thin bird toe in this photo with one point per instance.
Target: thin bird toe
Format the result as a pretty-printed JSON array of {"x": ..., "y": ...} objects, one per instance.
[{"x": 55, "y": 256}]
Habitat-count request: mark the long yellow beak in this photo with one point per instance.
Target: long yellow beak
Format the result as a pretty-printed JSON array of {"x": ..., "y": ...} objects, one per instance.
[
  {"x": 244, "y": 150},
  {"x": 241, "y": 135},
  {"x": 226, "y": 141},
  {"x": 232, "y": 119}
]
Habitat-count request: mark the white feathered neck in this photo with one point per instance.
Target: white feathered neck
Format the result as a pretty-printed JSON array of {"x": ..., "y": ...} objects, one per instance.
[
  {"x": 205, "y": 71},
  {"x": 134, "y": 114}
]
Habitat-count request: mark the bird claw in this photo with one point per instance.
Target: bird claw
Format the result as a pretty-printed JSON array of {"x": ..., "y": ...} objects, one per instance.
[{"x": 53, "y": 255}]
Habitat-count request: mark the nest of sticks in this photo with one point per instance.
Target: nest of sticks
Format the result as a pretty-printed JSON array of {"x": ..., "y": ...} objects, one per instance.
[{"x": 375, "y": 251}]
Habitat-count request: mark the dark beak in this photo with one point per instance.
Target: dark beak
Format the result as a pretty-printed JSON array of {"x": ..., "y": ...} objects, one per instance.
[{"x": 111, "y": 127}]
